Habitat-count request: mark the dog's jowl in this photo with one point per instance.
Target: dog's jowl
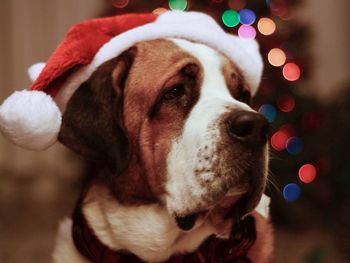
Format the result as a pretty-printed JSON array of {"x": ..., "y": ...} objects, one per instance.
[{"x": 161, "y": 112}]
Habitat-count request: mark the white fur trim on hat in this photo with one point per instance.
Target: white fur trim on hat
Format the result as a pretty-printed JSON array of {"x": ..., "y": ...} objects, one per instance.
[
  {"x": 30, "y": 119},
  {"x": 35, "y": 69}
]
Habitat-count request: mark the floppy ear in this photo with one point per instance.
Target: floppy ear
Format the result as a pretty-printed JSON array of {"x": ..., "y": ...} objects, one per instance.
[{"x": 92, "y": 123}]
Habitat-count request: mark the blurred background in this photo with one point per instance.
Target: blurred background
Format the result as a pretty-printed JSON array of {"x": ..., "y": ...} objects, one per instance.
[{"x": 305, "y": 95}]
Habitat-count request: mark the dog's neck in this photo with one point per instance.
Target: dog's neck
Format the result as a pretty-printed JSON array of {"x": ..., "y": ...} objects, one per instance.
[{"x": 147, "y": 231}]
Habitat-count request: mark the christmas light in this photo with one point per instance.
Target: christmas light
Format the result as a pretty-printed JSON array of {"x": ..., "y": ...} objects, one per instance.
[
  {"x": 246, "y": 31},
  {"x": 291, "y": 192},
  {"x": 291, "y": 72},
  {"x": 159, "y": 10},
  {"x": 266, "y": 26},
  {"x": 120, "y": 3},
  {"x": 276, "y": 57},
  {"x": 268, "y": 111},
  {"x": 230, "y": 18},
  {"x": 177, "y": 4},
  {"x": 279, "y": 140},
  {"x": 294, "y": 145},
  {"x": 247, "y": 16},
  {"x": 237, "y": 4},
  {"x": 286, "y": 103},
  {"x": 307, "y": 173}
]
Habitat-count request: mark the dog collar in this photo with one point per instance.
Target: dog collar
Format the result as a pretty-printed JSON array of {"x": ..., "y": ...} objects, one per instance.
[{"x": 234, "y": 249}]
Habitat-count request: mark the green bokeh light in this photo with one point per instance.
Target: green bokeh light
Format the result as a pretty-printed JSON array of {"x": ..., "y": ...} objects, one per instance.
[
  {"x": 177, "y": 4},
  {"x": 230, "y": 18}
]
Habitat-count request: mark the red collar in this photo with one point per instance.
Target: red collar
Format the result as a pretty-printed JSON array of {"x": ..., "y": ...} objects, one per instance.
[{"x": 212, "y": 250}]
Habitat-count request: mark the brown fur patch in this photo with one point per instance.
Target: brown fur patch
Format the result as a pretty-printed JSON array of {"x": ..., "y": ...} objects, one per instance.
[
  {"x": 119, "y": 118},
  {"x": 152, "y": 122}
]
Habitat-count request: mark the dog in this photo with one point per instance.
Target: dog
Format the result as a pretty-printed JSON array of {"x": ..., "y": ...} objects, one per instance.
[
  {"x": 159, "y": 107},
  {"x": 179, "y": 152}
]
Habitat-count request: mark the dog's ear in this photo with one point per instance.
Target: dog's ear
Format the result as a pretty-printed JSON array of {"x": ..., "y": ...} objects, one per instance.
[{"x": 92, "y": 123}]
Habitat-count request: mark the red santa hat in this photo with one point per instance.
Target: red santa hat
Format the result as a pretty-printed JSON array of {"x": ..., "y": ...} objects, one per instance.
[{"x": 32, "y": 118}]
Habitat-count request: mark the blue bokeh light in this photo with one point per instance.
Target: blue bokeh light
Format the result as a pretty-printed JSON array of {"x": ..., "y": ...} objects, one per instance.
[
  {"x": 247, "y": 16},
  {"x": 291, "y": 192},
  {"x": 268, "y": 111},
  {"x": 294, "y": 145}
]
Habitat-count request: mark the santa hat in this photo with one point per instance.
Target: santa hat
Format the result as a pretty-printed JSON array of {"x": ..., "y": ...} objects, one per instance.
[{"x": 32, "y": 118}]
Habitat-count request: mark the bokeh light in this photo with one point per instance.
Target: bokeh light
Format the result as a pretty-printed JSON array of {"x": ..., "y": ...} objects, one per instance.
[
  {"x": 268, "y": 111},
  {"x": 160, "y": 10},
  {"x": 291, "y": 192},
  {"x": 246, "y": 31},
  {"x": 288, "y": 129},
  {"x": 230, "y": 18},
  {"x": 307, "y": 173},
  {"x": 247, "y": 16},
  {"x": 266, "y": 26},
  {"x": 286, "y": 103},
  {"x": 236, "y": 4},
  {"x": 279, "y": 140},
  {"x": 291, "y": 72},
  {"x": 276, "y": 57},
  {"x": 294, "y": 145},
  {"x": 120, "y": 3},
  {"x": 177, "y": 4}
]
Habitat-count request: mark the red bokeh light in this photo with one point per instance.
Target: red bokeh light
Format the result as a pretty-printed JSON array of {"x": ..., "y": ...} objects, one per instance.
[
  {"x": 307, "y": 173},
  {"x": 279, "y": 140},
  {"x": 286, "y": 103},
  {"x": 291, "y": 71},
  {"x": 120, "y": 3},
  {"x": 288, "y": 129}
]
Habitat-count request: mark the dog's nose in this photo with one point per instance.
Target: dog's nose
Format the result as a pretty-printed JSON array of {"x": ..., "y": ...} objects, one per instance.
[{"x": 248, "y": 127}]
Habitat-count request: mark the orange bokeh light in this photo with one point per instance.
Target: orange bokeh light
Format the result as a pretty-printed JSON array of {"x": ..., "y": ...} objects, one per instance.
[
  {"x": 160, "y": 10},
  {"x": 266, "y": 26},
  {"x": 276, "y": 57},
  {"x": 291, "y": 72}
]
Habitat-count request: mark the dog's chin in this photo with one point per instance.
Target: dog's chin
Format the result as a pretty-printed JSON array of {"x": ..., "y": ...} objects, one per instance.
[{"x": 218, "y": 212}]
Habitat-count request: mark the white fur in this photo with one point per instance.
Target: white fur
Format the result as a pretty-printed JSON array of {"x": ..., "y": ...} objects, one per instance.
[
  {"x": 30, "y": 119},
  {"x": 35, "y": 69},
  {"x": 192, "y": 26},
  {"x": 263, "y": 208},
  {"x": 148, "y": 231},
  {"x": 183, "y": 187}
]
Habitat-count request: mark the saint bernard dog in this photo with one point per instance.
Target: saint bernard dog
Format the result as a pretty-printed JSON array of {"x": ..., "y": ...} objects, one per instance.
[
  {"x": 182, "y": 154},
  {"x": 159, "y": 106}
]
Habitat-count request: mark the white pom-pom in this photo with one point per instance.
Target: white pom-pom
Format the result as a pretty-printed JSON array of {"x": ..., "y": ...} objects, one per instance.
[
  {"x": 35, "y": 69},
  {"x": 30, "y": 119}
]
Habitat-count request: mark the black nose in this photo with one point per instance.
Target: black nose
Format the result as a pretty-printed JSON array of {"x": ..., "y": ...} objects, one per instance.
[{"x": 248, "y": 127}]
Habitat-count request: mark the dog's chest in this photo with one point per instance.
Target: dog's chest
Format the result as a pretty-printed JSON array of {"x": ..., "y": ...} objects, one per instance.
[{"x": 147, "y": 231}]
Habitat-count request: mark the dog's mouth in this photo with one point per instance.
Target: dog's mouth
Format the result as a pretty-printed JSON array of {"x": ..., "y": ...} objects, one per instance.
[{"x": 218, "y": 212}]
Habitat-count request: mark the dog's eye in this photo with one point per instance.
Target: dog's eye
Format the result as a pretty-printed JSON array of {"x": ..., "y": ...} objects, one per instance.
[
  {"x": 175, "y": 92},
  {"x": 243, "y": 95}
]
